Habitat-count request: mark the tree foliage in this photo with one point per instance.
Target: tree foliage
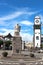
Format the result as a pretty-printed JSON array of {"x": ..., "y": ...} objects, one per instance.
[
  {"x": 7, "y": 43},
  {"x": 1, "y": 42},
  {"x": 41, "y": 45}
]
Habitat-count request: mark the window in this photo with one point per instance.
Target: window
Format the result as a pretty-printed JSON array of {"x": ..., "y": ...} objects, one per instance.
[
  {"x": 37, "y": 26},
  {"x": 37, "y": 45},
  {"x": 37, "y": 37}
]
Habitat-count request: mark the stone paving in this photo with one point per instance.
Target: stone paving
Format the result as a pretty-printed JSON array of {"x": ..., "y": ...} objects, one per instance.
[
  {"x": 9, "y": 62},
  {"x": 30, "y": 61}
]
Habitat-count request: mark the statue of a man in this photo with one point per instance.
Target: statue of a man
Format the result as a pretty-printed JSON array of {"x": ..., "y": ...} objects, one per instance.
[{"x": 17, "y": 28}]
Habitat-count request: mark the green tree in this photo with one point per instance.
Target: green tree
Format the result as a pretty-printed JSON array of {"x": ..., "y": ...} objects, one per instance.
[
  {"x": 7, "y": 44},
  {"x": 41, "y": 45}
]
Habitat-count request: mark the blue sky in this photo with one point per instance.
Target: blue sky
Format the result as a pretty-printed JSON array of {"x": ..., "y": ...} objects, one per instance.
[{"x": 21, "y": 12}]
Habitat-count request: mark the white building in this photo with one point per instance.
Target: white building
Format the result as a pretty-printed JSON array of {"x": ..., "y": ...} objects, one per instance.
[{"x": 37, "y": 32}]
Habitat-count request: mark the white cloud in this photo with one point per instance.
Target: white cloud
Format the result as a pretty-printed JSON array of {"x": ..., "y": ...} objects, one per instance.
[
  {"x": 2, "y": 22},
  {"x": 27, "y": 37},
  {"x": 30, "y": 13},
  {"x": 26, "y": 22},
  {"x": 11, "y": 16},
  {"x": 16, "y": 14},
  {"x": 25, "y": 30},
  {"x": 6, "y": 31},
  {"x": 27, "y": 10},
  {"x": 10, "y": 24}
]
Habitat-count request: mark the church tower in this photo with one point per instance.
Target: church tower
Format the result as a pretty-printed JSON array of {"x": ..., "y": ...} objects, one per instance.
[{"x": 37, "y": 32}]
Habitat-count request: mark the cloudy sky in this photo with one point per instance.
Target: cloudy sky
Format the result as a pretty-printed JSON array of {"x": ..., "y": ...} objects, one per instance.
[{"x": 21, "y": 12}]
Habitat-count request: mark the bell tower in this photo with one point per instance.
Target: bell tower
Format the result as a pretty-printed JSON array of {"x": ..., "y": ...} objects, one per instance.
[{"x": 37, "y": 32}]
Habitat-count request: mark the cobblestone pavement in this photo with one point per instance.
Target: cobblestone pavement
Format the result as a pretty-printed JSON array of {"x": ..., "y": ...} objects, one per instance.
[
  {"x": 29, "y": 62},
  {"x": 4, "y": 62}
]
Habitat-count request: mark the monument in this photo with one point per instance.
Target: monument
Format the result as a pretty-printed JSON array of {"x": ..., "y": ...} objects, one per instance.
[{"x": 17, "y": 40}]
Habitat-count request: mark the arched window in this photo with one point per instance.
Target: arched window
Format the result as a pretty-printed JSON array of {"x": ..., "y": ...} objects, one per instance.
[{"x": 37, "y": 37}]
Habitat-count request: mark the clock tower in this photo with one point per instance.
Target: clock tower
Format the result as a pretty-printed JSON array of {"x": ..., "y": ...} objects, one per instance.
[{"x": 37, "y": 32}]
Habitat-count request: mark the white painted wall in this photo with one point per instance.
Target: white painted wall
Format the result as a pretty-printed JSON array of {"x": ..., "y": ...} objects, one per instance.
[
  {"x": 36, "y": 22},
  {"x": 37, "y": 32},
  {"x": 37, "y": 42}
]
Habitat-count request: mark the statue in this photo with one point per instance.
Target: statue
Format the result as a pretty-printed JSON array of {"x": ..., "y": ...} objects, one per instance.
[
  {"x": 17, "y": 40},
  {"x": 17, "y": 30}
]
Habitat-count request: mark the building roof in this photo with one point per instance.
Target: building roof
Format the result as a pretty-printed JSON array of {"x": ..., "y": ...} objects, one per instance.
[{"x": 8, "y": 36}]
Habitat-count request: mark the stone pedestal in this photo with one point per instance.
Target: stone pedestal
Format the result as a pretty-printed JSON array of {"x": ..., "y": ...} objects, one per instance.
[
  {"x": 17, "y": 42},
  {"x": 17, "y": 45}
]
